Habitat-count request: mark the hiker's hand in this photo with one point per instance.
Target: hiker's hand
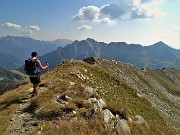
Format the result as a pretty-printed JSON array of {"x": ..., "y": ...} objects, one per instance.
[{"x": 47, "y": 64}]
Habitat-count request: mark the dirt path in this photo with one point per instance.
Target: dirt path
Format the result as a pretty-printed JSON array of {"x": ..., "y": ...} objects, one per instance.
[{"x": 22, "y": 122}]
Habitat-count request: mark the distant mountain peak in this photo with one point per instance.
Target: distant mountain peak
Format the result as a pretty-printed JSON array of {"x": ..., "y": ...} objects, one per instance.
[
  {"x": 90, "y": 39},
  {"x": 160, "y": 43}
]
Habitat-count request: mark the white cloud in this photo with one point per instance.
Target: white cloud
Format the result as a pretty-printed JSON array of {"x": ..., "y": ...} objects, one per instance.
[
  {"x": 107, "y": 21},
  {"x": 116, "y": 10},
  {"x": 12, "y": 25},
  {"x": 84, "y": 27},
  {"x": 27, "y": 31},
  {"x": 34, "y": 28},
  {"x": 120, "y": 10},
  {"x": 152, "y": 8},
  {"x": 31, "y": 29},
  {"x": 90, "y": 13},
  {"x": 133, "y": 9}
]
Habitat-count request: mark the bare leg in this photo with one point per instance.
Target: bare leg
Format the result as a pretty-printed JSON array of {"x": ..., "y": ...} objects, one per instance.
[{"x": 35, "y": 89}]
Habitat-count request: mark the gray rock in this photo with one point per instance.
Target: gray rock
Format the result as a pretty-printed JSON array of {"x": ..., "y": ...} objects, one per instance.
[
  {"x": 107, "y": 115},
  {"x": 31, "y": 123},
  {"x": 90, "y": 113},
  {"x": 63, "y": 99},
  {"x": 90, "y": 60},
  {"x": 97, "y": 103},
  {"x": 118, "y": 127},
  {"x": 92, "y": 100},
  {"x": 74, "y": 119},
  {"x": 140, "y": 120},
  {"x": 67, "y": 98},
  {"x": 101, "y": 104},
  {"x": 122, "y": 127},
  {"x": 90, "y": 90},
  {"x": 71, "y": 83}
]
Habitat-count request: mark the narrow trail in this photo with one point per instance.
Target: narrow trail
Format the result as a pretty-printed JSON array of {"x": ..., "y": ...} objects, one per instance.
[{"x": 22, "y": 122}]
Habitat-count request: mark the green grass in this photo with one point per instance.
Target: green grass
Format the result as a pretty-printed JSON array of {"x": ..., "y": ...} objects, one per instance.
[{"x": 121, "y": 99}]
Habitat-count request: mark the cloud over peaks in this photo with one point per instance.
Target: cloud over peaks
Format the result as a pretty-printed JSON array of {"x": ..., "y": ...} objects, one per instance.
[
  {"x": 12, "y": 25},
  {"x": 107, "y": 21},
  {"x": 120, "y": 10},
  {"x": 34, "y": 28},
  {"x": 31, "y": 29},
  {"x": 90, "y": 13},
  {"x": 133, "y": 9},
  {"x": 26, "y": 30},
  {"x": 116, "y": 10},
  {"x": 84, "y": 27}
]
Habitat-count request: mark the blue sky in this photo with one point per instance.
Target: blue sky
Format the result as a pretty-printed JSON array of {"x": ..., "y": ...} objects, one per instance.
[{"x": 133, "y": 21}]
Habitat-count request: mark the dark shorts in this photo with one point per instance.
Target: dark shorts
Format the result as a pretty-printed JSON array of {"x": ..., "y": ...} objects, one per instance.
[{"x": 35, "y": 80}]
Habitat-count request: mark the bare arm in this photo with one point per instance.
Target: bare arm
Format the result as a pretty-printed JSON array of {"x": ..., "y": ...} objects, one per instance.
[{"x": 40, "y": 65}]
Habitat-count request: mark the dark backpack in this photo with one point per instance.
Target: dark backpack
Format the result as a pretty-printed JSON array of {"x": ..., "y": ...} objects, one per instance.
[{"x": 30, "y": 67}]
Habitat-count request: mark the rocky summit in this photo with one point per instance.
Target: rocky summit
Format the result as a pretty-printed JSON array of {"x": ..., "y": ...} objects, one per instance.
[{"x": 95, "y": 97}]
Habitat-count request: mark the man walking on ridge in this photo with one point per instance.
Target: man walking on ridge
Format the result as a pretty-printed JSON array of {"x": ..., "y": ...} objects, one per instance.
[{"x": 32, "y": 68}]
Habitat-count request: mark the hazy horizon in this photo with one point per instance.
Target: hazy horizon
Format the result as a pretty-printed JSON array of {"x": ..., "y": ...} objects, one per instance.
[{"x": 95, "y": 40}]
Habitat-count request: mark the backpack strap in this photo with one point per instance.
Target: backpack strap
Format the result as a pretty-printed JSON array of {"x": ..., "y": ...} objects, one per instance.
[{"x": 37, "y": 67}]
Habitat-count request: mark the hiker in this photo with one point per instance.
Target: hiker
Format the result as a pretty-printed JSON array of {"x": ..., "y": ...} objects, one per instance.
[{"x": 32, "y": 68}]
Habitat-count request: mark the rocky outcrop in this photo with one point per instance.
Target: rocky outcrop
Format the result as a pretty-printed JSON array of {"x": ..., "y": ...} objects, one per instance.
[
  {"x": 139, "y": 120},
  {"x": 90, "y": 60},
  {"x": 107, "y": 115}
]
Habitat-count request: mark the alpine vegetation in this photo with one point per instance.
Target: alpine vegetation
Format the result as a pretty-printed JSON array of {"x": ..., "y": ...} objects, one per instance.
[{"x": 95, "y": 96}]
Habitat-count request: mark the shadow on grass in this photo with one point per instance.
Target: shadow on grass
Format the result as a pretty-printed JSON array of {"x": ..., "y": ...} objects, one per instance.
[{"x": 6, "y": 104}]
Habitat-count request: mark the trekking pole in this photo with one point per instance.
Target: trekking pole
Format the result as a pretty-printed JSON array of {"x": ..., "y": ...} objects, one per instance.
[{"x": 49, "y": 76}]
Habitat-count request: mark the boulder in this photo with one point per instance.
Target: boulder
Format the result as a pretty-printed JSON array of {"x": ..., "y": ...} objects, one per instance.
[
  {"x": 107, "y": 115},
  {"x": 90, "y": 90},
  {"x": 97, "y": 103},
  {"x": 90, "y": 113},
  {"x": 139, "y": 120},
  {"x": 94, "y": 102},
  {"x": 31, "y": 123},
  {"x": 101, "y": 104},
  {"x": 63, "y": 99},
  {"x": 90, "y": 60},
  {"x": 122, "y": 127}
]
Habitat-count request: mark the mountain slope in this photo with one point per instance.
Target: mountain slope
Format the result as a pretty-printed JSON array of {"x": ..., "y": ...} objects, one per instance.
[
  {"x": 160, "y": 87},
  {"x": 104, "y": 97},
  {"x": 158, "y": 55},
  {"x": 9, "y": 61},
  {"x": 61, "y": 42},
  {"x": 10, "y": 79},
  {"x": 21, "y": 47}
]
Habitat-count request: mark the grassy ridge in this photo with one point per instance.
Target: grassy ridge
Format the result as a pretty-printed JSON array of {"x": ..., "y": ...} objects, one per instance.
[{"x": 116, "y": 83}]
